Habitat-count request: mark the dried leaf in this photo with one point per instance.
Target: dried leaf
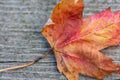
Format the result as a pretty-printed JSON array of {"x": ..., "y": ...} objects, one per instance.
[{"x": 77, "y": 41}]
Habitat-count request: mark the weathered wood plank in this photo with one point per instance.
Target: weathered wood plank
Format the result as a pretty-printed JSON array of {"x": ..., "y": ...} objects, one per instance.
[{"x": 20, "y": 40}]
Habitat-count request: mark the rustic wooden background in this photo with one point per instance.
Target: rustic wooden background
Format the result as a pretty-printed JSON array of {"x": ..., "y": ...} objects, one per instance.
[{"x": 20, "y": 40}]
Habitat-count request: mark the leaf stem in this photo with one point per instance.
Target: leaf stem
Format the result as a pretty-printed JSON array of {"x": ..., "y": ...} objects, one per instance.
[{"x": 28, "y": 64}]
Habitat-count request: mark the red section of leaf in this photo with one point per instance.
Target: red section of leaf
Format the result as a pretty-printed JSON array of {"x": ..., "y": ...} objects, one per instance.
[
  {"x": 102, "y": 29},
  {"x": 67, "y": 9},
  {"x": 77, "y": 41},
  {"x": 89, "y": 61}
]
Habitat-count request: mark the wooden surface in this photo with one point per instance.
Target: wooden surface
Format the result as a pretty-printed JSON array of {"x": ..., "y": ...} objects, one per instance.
[{"x": 20, "y": 40}]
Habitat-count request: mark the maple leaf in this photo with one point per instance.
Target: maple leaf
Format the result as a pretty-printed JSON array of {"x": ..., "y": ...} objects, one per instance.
[{"x": 77, "y": 41}]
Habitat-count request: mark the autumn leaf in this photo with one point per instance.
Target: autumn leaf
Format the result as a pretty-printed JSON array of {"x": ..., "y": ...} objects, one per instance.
[{"x": 77, "y": 41}]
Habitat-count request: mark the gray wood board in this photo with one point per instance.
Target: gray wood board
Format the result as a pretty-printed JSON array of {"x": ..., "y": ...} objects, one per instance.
[{"x": 20, "y": 40}]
